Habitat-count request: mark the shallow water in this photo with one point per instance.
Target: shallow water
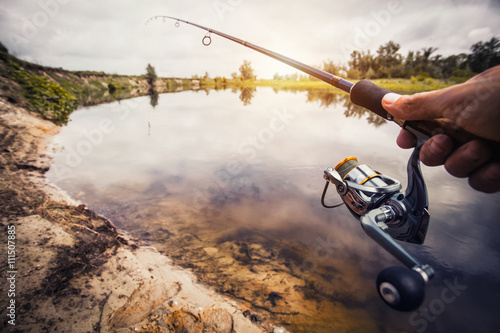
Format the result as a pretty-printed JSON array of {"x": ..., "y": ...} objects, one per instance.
[{"x": 228, "y": 184}]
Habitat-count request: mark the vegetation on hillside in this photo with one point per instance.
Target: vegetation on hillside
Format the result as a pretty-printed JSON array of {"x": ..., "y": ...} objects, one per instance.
[
  {"x": 54, "y": 93},
  {"x": 49, "y": 98},
  {"x": 45, "y": 96}
]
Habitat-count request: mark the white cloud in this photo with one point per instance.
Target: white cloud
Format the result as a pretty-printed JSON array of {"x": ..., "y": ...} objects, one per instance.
[
  {"x": 480, "y": 34},
  {"x": 112, "y": 36}
]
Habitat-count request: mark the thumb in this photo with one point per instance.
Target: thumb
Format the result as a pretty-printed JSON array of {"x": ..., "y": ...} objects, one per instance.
[{"x": 420, "y": 106}]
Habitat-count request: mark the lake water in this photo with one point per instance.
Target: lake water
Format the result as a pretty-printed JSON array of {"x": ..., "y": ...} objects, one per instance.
[{"x": 228, "y": 183}]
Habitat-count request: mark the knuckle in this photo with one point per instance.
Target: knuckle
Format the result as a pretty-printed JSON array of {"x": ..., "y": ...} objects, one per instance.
[
  {"x": 430, "y": 157},
  {"x": 415, "y": 101}
]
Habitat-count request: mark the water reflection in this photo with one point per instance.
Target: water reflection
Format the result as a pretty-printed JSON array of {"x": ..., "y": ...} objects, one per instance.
[
  {"x": 153, "y": 98},
  {"x": 246, "y": 94},
  {"x": 235, "y": 196},
  {"x": 329, "y": 99},
  {"x": 325, "y": 98}
]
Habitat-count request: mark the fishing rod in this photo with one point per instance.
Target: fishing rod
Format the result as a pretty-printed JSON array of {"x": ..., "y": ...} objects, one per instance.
[
  {"x": 363, "y": 93},
  {"x": 334, "y": 80},
  {"x": 377, "y": 201}
]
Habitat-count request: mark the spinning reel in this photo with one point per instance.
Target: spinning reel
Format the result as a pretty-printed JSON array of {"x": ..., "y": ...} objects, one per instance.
[{"x": 386, "y": 214}]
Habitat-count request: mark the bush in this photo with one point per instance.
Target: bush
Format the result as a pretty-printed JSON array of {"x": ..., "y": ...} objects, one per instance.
[
  {"x": 429, "y": 81},
  {"x": 49, "y": 99},
  {"x": 422, "y": 76},
  {"x": 370, "y": 73},
  {"x": 354, "y": 73},
  {"x": 111, "y": 86},
  {"x": 461, "y": 75}
]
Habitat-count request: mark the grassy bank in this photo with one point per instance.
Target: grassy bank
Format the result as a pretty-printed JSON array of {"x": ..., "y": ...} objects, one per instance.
[{"x": 397, "y": 85}]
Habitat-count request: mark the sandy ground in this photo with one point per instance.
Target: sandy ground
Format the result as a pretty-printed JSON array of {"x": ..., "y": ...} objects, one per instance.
[{"x": 73, "y": 271}]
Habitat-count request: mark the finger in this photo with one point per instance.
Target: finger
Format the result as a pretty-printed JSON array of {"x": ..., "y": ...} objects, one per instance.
[
  {"x": 436, "y": 150},
  {"x": 467, "y": 158},
  {"x": 420, "y": 106},
  {"x": 486, "y": 179},
  {"x": 406, "y": 139}
]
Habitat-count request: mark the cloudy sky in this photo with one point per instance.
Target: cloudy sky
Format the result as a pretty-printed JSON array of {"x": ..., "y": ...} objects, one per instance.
[{"x": 112, "y": 36}]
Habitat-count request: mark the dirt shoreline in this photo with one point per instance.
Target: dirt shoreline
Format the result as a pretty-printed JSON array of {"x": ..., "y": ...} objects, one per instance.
[{"x": 75, "y": 272}]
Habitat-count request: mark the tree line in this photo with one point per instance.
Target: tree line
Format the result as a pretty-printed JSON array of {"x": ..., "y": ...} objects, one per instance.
[{"x": 387, "y": 62}]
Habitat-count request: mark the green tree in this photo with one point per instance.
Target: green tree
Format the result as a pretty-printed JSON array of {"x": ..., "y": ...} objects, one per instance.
[
  {"x": 354, "y": 73},
  {"x": 430, "y": 64},
  {"x": 388, "y": 59},
  {"x": 426, "y": 54},
  {"x": 330, "y": 67},
  {"x": 409, "y": 64},
  {"x": 246, "y": 71},
  {"x": 452, "y": 64},
  {"x": 361, "y": 61},
  {"x": 277, "y": 77},
  {"x": 485, "y": 55},
  {"x": 420, "y": 64},
  {"x": 370, "y": 74},
  {"x": 151, "y": 76}
]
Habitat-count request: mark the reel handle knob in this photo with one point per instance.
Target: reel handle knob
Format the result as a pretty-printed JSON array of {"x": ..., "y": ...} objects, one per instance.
[{"x": 401, "y": 288}]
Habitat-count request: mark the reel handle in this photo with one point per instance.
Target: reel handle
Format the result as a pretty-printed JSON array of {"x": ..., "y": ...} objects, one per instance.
[{"x": 368, "y": 95}]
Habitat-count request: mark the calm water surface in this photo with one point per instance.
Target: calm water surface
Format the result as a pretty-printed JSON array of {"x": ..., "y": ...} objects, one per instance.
[{"x": 230, "y": 187}]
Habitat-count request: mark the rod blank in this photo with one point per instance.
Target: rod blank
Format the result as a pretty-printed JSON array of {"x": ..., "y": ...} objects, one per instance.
[{"x": 329, "y": 78}]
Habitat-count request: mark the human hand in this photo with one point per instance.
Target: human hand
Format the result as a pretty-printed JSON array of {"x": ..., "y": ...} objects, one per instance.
[{"x": 473, "y": 105}]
